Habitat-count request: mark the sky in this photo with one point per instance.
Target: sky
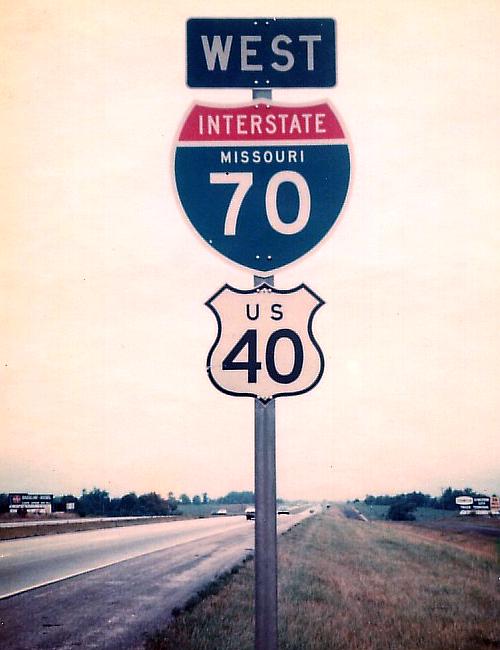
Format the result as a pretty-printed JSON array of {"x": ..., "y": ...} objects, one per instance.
[{"x": 103, "y": 329}]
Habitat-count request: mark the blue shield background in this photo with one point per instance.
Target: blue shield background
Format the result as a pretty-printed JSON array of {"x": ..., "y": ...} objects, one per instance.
[{"x": 256, "y": 245}]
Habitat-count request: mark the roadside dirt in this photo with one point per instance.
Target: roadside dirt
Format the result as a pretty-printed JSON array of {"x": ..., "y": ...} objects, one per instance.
[
  {"x": 350, "y": 512},
  {"x": 478, "y": 535}
]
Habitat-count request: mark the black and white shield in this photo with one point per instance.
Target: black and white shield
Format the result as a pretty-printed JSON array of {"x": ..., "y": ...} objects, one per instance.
[{"x": 265, "y": 346}]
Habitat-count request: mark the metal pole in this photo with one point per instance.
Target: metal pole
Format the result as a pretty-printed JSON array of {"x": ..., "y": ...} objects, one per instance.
[{"x": 266, "y": 557}]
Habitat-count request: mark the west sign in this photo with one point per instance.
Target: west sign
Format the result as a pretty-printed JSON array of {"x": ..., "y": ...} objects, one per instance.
[
  {"x": 260, "y": 52},
  {"x": 265, "y": 346},
  {"x": 262, "y": 183}
]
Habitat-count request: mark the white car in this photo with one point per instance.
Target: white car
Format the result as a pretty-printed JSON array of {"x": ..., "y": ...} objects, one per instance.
[{"x": 250, "y": 512}]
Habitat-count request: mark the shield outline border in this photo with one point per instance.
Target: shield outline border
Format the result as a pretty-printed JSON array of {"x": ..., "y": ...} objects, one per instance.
[
  {"x": 339, "y": 217},
  {"x": 268, "y": 287}
]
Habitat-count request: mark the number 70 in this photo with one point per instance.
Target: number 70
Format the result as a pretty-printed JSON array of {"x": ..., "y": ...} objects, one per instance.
[{"x": 244, "y": 181}]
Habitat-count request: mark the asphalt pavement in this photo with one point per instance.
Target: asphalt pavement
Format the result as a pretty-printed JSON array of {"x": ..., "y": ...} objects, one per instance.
[
  {"x": 147, "y": 574},
  {"x": 36, "y": 561}
]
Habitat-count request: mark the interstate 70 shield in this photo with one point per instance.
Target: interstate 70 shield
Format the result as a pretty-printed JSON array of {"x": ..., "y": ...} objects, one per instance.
[
  {"x": 263, "y": 183},
  {"x": 265, "y": 346}
]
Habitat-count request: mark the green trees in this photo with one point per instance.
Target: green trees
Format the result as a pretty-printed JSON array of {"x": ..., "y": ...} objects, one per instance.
[
  {"x": 152, "y": 503},
  {"x": 419, "y": 499},
  {"x": 97, "y": 503},
  {"x": 232, "y": 497},
  {"x": 403, "y": 505},
  {"x": 171, "y": 503},
  {"x": 129, "y": 504},
  {"x": 449, "y": 495},
  {"x": 401, "y": 511},
  {"x": 238, "y": 497}
]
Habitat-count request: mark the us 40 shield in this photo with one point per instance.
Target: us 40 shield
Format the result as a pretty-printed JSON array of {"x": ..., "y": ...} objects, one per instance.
[{"x": 265, "y": 347}]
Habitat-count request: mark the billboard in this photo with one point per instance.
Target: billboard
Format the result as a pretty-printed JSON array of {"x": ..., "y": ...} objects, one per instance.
[
  {"x": 32, "y": 503},
  {"x": 473, "y": 505}
]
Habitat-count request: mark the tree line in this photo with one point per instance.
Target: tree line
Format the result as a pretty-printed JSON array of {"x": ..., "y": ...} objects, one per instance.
[
  {"x": 97, "y": 502},
  {"x": 402, "y": 506}
]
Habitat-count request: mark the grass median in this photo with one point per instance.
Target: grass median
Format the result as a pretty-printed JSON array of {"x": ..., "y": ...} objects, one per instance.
[{"x": 354, "y": 585}]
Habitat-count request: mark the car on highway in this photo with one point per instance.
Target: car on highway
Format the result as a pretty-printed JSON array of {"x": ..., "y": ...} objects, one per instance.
[
  {"x": 282, "y": 510},
  {"x": 250, "y": 512}
]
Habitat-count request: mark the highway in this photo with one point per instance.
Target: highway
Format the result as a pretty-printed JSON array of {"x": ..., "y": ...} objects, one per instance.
[
  {"x": 109, "y": 588},
  {"x": 36, "y": 561}
]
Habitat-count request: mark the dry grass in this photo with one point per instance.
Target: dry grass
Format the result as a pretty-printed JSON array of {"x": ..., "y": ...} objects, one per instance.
[
  {"x": 466, "y": 540},
  {"x": 352, "y": 585}
]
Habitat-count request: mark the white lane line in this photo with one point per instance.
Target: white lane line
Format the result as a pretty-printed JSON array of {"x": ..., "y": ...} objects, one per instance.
[
  {"x": 104, "y": 565},
  {"x": 16, "y": 592}
]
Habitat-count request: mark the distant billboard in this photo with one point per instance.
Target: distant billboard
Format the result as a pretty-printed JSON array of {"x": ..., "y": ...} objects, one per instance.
[
  {"x": 473, "y": 505},
  {"x": 31, "y": 503}
]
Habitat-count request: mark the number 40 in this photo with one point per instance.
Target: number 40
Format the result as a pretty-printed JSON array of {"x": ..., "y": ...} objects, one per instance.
[
  {"x": 252, "y": 365},
  {"x": 244, "y": 181}
]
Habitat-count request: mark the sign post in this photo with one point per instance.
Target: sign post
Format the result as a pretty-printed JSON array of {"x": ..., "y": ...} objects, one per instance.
[
  {"x": 266, "y": 543},
  {"x": 266, "y": 554},
  {"x": 263, "y": 184}
]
